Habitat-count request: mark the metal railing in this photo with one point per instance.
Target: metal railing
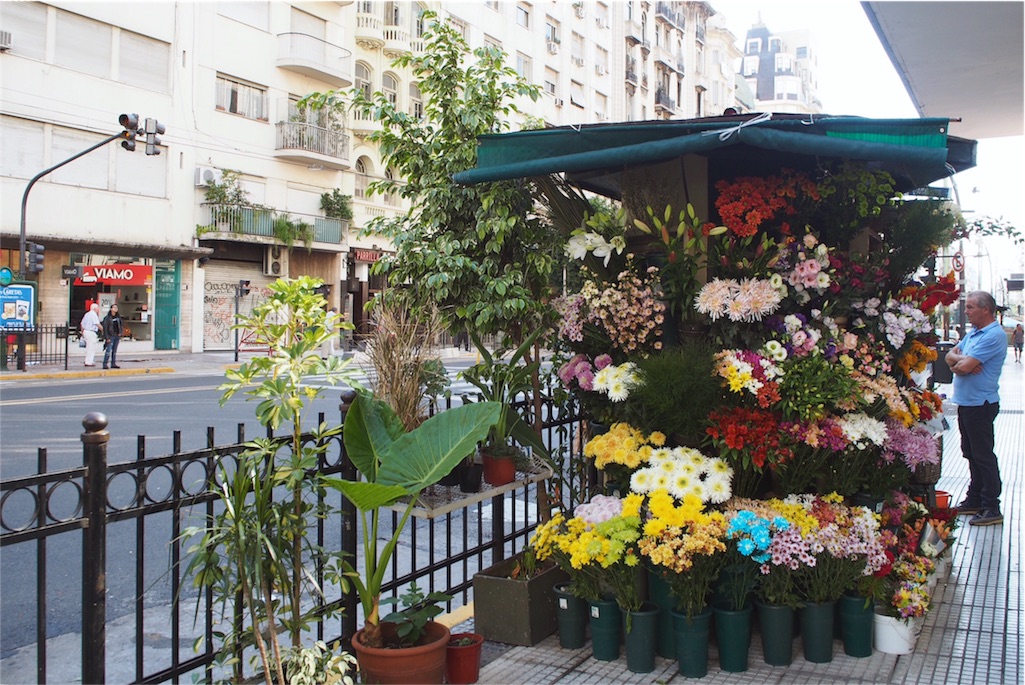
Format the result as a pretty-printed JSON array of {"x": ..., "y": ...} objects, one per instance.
[
  {"x": 297, "y": 135},
  {"x": 260, "y": 221},
  {"x": 129, "y": 507},
  {"x": 29, "y": 345}
]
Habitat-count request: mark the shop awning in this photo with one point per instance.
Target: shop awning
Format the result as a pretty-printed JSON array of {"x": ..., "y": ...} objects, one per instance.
[{"x": 915, "y": 151}]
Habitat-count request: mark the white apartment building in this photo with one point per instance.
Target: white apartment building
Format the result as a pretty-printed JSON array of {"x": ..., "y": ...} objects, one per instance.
[{"x": 223, "y": 77}]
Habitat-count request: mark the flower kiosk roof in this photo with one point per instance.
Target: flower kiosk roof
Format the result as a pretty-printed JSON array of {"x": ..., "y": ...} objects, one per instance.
[{"x": 915, "y": 152}]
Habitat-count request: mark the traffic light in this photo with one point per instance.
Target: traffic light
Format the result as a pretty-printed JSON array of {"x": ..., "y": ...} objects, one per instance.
[
  {"x": 243, "y": 288},
  {"x": 34, "y": 258},
  {"x": 153, "y": 129},
  {"x": 130, "y": 122}
]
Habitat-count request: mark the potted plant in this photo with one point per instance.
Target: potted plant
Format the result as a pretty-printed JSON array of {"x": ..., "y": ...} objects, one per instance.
[
  {"x": 462, "y": 663},
  {"x": 514, "y": 599},
  {"x": 501, "y": 381},
  {"x": 254, "y": 553},
  {"x": 396, "y": 465}
]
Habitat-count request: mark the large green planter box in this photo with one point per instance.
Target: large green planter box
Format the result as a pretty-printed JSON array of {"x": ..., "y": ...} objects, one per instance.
[{"x": 516, "y": 612}]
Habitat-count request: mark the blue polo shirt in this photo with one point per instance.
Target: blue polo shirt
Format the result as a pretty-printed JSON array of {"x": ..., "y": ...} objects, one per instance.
[{"x": 989, "y": 346}]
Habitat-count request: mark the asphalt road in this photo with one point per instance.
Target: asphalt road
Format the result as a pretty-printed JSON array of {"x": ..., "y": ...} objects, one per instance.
[{"x": 48, "y": 414}]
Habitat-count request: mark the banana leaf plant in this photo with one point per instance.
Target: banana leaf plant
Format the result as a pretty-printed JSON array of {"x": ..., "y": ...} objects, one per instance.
[{"x": 396, "y": 466}]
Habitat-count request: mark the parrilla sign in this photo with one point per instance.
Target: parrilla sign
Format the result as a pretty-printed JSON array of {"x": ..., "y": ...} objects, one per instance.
[{"x": 116, "y": 274}]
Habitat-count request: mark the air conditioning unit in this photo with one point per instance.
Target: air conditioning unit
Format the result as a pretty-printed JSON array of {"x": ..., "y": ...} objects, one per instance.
[
  {"x": 553, "y": 47},
  {"x": 579, "y": 61},
  {"x": 559, "y": 102},
  {"x": 599, "y": 69},
  {"x": 602, "y": 22},
  {"x": 207, "y": 175},
  {"x": 6, "y": 42},
  {"x": 275, "y": 261}
]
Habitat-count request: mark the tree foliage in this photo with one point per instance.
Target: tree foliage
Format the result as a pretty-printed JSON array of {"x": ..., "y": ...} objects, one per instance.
[{"x": 479, "y": 253}]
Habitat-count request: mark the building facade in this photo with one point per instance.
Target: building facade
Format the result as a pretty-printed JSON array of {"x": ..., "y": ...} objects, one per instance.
[
  {"x": 237, "y": 192},
  {"x": 781, "y": 70}
]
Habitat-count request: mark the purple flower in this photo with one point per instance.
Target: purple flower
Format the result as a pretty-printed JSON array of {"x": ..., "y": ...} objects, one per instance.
[{"x": 601, "y": 361}]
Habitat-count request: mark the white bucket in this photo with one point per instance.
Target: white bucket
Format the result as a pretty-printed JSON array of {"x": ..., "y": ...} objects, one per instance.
[{"x": 895, "y": 635}]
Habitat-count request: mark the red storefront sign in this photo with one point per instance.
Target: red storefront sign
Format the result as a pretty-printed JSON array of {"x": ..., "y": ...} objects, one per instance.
[
  {"x": 367, "y": 255},
  {"x": 116, "y": 274}
]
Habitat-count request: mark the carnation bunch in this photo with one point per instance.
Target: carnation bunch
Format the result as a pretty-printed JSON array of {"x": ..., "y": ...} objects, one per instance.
[{"x": 805, "y": 266}]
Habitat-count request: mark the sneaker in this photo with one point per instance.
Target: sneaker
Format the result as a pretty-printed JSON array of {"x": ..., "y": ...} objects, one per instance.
[
  {"x": 105, "y": 366},
  {"x": 987, "y": 517},
  {"x": 968, "y": 508},
  {"x": 114, "y": 366}
]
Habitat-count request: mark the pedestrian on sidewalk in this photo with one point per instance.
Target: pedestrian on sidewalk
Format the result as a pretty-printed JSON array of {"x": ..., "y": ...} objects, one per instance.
[
  {"x": 331, "y": 323},
  {"x": 91, "y": 329},
  {"x": 977, "y": 361},
  {"x": 1018, "y": 340},
  {"x": 113, "y": 329}
]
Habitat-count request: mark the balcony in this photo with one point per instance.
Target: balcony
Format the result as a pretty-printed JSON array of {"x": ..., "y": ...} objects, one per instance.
[
  {"x": 312, "y": 144},
  {"x": 369, "y": 32},
  {"x": 666, "y": 13},
  {"x": 664, "y": 102},
  {"x": 633, "y": 32},
  {"x": 699, "y": 32},
  {"x": 665, "y": 57},
  {"x": 397, "y": 42},
  {"x": 363, "y": 124},
  {"x": 631, "y": 76},
  {"x": 222, "y": 222},
  {"x": 311, "y": 56}
]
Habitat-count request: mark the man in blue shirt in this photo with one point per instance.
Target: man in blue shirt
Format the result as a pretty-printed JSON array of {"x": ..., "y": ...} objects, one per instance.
[{"x": 977, "y": 361}]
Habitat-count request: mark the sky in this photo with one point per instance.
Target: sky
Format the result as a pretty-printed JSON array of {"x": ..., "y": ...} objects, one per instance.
[{"x": 868, "y": 85}]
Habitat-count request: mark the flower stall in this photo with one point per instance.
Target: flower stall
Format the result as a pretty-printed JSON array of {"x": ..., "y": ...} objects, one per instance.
[{"x": 750, "y": 321}]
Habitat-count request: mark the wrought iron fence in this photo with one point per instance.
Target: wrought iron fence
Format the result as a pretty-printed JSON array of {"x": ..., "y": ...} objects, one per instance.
[
  {"x": 35, "y": 344},
  {"x": 131, "y": 507}
]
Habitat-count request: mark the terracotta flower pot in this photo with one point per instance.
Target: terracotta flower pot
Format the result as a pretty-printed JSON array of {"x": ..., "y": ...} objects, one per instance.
[
  {"x": 462, "y": 665},
  {"x": 424, "y": 663},
  {"x": 499, "y": 470}
]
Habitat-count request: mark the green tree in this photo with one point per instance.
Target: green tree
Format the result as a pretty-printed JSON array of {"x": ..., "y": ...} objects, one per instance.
[{"x": 480, "y": 253}]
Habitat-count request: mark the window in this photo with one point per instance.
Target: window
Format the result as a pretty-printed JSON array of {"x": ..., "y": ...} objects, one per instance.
[
  {"x": 459, "y": 26},
  {"x": 416, "y": 102},
  {"x": 419, "y": 26},
  {"x": 524, "y": 66},
  {"x": 551, "y": 31},
  {"x": 255, "y": 14},
  {"x": 578, "y": 47},
  {"x": 90, "y": 171},
  {"x": 365, "y": 7},
  {"x": 27, "y": 23},
  {"x": 754, "y": 46},
  {"x": 784, "y": 62},
  {"x": 391, "y": 198},
  {"x": 363, "y": 79},
  {"x": 523, "y": 15},
  {"x": 802, "y": 52},
  {"x": 144, "y": 62},
  {"x": 22, "y": 143},
  {"x": 390, "y": 86},
  {"x": 362, "y": 178},
  {"x": 601, "y": 58},
  {"x": 492, "y": 43},
  {"x": 83, "y": 45},
  {"x": 392, "y": 13},
  {"x": 240, "y": 98},
  {"x": 751, "y": 65},
  {"x": 551, "y": 81},
  {"x": 493, "y": 4},
  {"x": 601, "y": 12},
  {"x": 601, "y": 104},
  {"x": 775, "y": 45},
  {"x": 576, "y": 93}
]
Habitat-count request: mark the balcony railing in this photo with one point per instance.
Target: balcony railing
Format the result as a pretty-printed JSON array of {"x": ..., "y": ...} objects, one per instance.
[
  {"x": 665, "y": 12},
  {"x": 311, "y": 56},
  {"x": 259, "y": 221},
  {"x": 396, "y": 41},
  {"x": 663, "y": 100},
  {"x": 631, "y": 76},
  {"x": 369, "y": 30},
  {"x": 294, "y": 135}
]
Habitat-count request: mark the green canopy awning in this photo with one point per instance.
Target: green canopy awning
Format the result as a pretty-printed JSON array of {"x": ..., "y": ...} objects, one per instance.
[{"x": 915, "y": 151}]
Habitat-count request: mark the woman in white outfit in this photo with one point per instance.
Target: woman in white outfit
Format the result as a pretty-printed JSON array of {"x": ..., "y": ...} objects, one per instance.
[{"x": 91, "y": 333}]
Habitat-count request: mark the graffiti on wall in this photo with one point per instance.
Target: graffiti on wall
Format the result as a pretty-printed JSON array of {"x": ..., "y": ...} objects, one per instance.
[{"x": 219, "y": 312}]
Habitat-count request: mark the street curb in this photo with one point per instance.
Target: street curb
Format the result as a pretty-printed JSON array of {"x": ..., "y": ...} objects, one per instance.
[{"x": 21, "y": 376}]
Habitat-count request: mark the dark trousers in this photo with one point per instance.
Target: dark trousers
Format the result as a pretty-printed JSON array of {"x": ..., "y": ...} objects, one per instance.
[
  {"x": 976, "y": 426},
  {"x": 110, "y": 350}
]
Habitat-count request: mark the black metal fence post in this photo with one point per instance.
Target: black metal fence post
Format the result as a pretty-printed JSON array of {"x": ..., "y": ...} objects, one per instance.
[
  {"x": 348, "y": 519},
  {"x": 94, "y": 548}
]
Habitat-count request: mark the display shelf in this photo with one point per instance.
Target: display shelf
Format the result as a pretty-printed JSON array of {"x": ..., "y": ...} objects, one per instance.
[{"x": 438, "y": 500}]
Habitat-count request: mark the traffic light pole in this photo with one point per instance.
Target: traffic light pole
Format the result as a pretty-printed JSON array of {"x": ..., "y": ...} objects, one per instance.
[{"x": 24, "y": 198}]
